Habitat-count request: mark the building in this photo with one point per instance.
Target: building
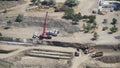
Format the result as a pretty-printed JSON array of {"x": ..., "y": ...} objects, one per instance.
[
  {"x": 62, "y": 1},
  {"x": 108, "y": 5}
]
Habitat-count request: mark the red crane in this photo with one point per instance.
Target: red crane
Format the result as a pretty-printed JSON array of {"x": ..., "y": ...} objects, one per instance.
[{"x": 44, "y": 36}]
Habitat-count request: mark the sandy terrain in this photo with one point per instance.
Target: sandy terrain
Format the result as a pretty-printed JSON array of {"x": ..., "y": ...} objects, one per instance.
[
  {"x": 79, "y": 37},
  {"x": 76, "y": 37}
]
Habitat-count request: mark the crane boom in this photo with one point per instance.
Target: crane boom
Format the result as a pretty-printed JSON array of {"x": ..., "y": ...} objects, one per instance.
[{"x": 45, "y": 25}]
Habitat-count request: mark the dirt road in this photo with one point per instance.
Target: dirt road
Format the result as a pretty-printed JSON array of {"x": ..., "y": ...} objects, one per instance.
[
  {"x": 19, "y": 9},
  {"x": 86, "y": 10},
  {"x": 79, "y": 60}
]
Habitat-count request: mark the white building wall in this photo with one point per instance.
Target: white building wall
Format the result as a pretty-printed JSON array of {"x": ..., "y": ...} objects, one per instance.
[{"x": 58, "y": 0}]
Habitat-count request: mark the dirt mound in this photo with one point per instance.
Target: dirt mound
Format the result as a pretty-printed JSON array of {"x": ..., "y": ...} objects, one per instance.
[
  {"x": 110, "y": 59},
  {"x": 113, "y": 47},
  {"x": 51, "y": 23}
]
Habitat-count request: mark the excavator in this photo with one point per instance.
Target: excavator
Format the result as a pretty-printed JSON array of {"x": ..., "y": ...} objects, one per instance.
[{"x": 45, "y": 35}]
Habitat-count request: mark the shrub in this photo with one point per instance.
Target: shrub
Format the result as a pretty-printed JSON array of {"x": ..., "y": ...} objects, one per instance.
[
  {"x": 104, "y": 21},
  {"x": 71, "y": 3},
  {"x": 113, "y": 29},
  {"x": 49, "y": 2},
  {"x": 92, "y": 18},
  {"x": 94, "y": 25},
  {"x": 114, "y": 21},
  {"x": 85, "y": 17},
  {"x": 68, "y": 14},
  {"x": 88, "y": 27},
  {"x": 36, "y": 2},
  {"x": 33, "y": 2},
  {"x": 9, "y": 22},
  {"x": 104, "y": 28},
  {"x": 19, "y": 18},
  {"x": 76, "y": 18},
  {"x": 95, "y": 36}
]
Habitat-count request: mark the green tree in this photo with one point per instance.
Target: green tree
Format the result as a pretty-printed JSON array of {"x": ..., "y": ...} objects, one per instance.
[
  {"x": 49, "y": 2},
  {"x": 76, "y": 18},
  {"x": 19, "y": 18},
  {"x": 85, "y": 17},
  {"x": 79, "y": 16},
  {"x": 113, "y": 29},
  {"x": 69, "y": 14},
  {"x": 34, "y": 2},
  {"x": 52, "y": 2},
  {"x": 71, "y": 3},
  {"x": 114, "y": 21},
  {"x": 39, "y": 2},
  {"x": 88, "y": 27},
  {"x": 92, "y": 18},
  {"x": 94, "y": 25},
  {"x": 69, "y": 11}
]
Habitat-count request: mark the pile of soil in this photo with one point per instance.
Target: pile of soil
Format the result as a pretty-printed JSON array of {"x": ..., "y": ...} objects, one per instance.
[
  {"x": 51, "y": 23},
  {"x": 110, "y": 59},
  {"x": 105, "y": 47}
]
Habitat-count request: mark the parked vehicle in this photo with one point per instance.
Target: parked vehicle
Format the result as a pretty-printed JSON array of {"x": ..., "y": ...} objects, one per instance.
[{"x": 97, "y": 54}]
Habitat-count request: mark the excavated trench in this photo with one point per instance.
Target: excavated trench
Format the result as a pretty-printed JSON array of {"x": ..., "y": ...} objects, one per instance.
[
  {"x": 111, "y": 53},
  {"x": 26, "y": 42},
  {"x": 6, "y": 51}
]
